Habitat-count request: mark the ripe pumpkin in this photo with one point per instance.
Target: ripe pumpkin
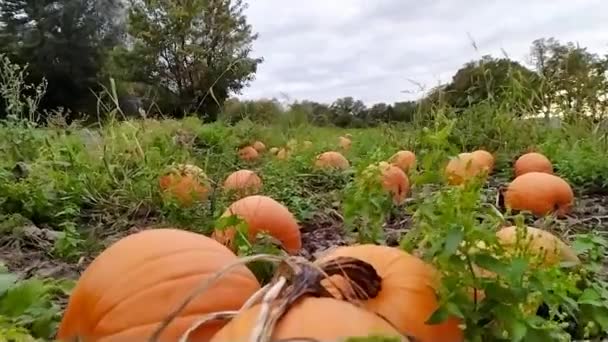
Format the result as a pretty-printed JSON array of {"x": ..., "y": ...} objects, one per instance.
[
  {"x": 243, "y": 182},
  {"x": 406, "y": 297},
  {"x": 395, "y": 181},
  {"x": 187, "y": 183},
  {"x": 345, "y": 143},
  {"x": 532, "y": 162},
  {"x": 320, "y": 319},
  {"x": 462, "y": 168},
  {"x": 540, "y": 242},
  {"x": 485, "y": 158},
  {"x": 540, "y": 193},
  {"x": 259, "y": 146},
  {"x": 332, "y": 160},
  {"x": 282, "y": 154},
  {"x": 132, "y": 286},
  {"x": 274, "y": 150},
  {"x": 248, "y": 153},
  {"x": 262, "y": 214},
  {"x": 405, "y": 160}
]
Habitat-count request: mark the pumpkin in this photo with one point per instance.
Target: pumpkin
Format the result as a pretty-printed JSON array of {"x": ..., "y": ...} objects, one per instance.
[
  {"x": 248, "y": 153},
  {"x": 262, "y": 214},
  {"x": 395, "y": 181},
  {"x": 129, "y": 288},
  {"x": 243, "y": 182},
  {"x": 540, "y": 193},
  {"x": 345, "y": 143},
  {"x": 407, "y": 297},
  {"x": 307, "y": 144},
  {"x": 331, "y": 160},
  {"x": 485, "y": 158},
  {"x": 282, "y": 154},
  {"x": 187, "y": 183},
  {"x": 292, "y": 144},
  {"x": 405, "y": 160},
  {"x": 462, "y": 168},
  {"x": 539, "y": 242},
  {"x": 259, "y": 146},
  {"x": 532, "y": 162},
  {"x": 318, "y": 319},
  {"x": 274, "y": 150}
]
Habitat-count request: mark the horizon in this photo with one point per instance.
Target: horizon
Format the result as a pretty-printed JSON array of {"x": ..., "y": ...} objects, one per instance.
[{"x": 314, "y": 52}]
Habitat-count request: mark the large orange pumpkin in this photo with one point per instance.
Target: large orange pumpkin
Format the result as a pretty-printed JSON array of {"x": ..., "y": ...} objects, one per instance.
[
  {"x": 395, "y": 181},
  {"x": 128, "y": 289},
  {"x": 248, "y": 153},
  {"x": 405, "y": 160},
  {"x": 332, "y": 160},
  {"x": 187, "y": 183},
  {"x": 262, "y": 214},
  {"x": 532, "y": 162},
  {"x": 540, "y": 193},
  {"x": 407, "y": 297},
  {"x": 319, "y": 319},
  {"x": 345, "y": 143},
  {"x": 259, "y": 146},
  {"x": 243, "y": 182},
  {"x": 485, "y": 158},
  {"x": 462, "y": 168}
]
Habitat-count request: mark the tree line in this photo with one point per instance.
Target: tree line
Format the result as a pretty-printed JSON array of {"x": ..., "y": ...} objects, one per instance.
[{"x": 175, "y": 58}]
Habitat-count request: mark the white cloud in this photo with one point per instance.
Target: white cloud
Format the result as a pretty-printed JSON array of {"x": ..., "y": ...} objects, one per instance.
[{"x": 325, "y": 49}]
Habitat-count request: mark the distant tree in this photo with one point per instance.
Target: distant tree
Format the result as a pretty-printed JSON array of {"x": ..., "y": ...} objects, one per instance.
[
  {"x": 404, "y": 111},
  {"x": 345, "y": 110},
  {"x": 63, "y": 41},
  {"x": 198, "y": 51}
]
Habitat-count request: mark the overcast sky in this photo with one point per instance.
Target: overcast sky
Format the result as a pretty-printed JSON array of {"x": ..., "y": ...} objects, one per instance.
[{"x": 370, "y": 49}]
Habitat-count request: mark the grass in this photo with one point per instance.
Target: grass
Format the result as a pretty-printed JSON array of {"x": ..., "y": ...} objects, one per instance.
[{"x": 66, "y": 191}]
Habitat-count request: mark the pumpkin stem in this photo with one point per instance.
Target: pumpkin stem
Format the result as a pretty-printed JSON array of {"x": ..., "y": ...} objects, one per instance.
[{"x": 362, "y": 276}]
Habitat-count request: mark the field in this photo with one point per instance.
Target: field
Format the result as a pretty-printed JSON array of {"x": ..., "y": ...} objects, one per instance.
[{"x": 68, "y": 192}]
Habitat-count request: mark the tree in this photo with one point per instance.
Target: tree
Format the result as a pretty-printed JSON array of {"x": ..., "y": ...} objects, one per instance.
[
  {"x": 197, "y": 51},
  {"x": 63, "y": 41}
]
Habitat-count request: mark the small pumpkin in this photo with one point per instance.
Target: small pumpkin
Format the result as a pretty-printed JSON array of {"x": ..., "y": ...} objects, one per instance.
[
  {"x": 262, "y": 214},
  {"x": 248, "y": 153},
  {"x": 187, "y": 183},
  {"x": 130, "y": 287},
  {"x": 345, "y": 143},
  {"x": 332, "y": 160},
  {"x": 485, "y": 158},
  {"x": 259, "y": 146},
  {"x": 532, "y": 162},
  {"x": 243, "y": 182},
  {"x": 395, "y": 181},
  {"x": 540, "y": 193},
  {"x": 274, "y": 150},
  {"x": 405, "y": 160},
  {"x": 318, "y": 319},
  {"x": 407, "y": 297},
  {"x": 462, "y": 168},
  {"x": 282, "y": 154}
]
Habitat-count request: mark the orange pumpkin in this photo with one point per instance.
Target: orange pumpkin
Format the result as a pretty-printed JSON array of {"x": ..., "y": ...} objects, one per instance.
[
  {"x": 248, "y": 153},
  {"x": 532, "y": 162},
  {"x": 259, "y": 146},
  {"x": 332, "y": 160},
  {"x": 407, "y": 297},
  {"x": 282, "y": 154},
  {"x": 485, "y": 158},
  {"x": 345, "y": 143},
  {"x": 395, "y": 181},
  {"x": 540, "y": 193},
  {"x": 187, "y": 183},
  {"x": 462, "y": 168},
  {"x": 405, "y": 160},
  {"x": 262, "y": 214},
  {"x": 539, "y": 242},
  {"x": 243, "y": 182},
  {"x": 130, "y": 288},
  {"x": 274, "y": 150},
  {"x": 319, "y": 319}
]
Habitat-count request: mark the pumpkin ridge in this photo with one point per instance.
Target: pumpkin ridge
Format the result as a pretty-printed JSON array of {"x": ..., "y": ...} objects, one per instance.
[
  {"x": 149, "y": 289},
  {"x": 133, "y": 270}
]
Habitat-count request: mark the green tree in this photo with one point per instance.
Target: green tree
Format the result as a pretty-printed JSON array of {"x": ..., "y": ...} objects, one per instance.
[
  {"x": 63, "y": 41},
  {"x": 196, "y": 51}
]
